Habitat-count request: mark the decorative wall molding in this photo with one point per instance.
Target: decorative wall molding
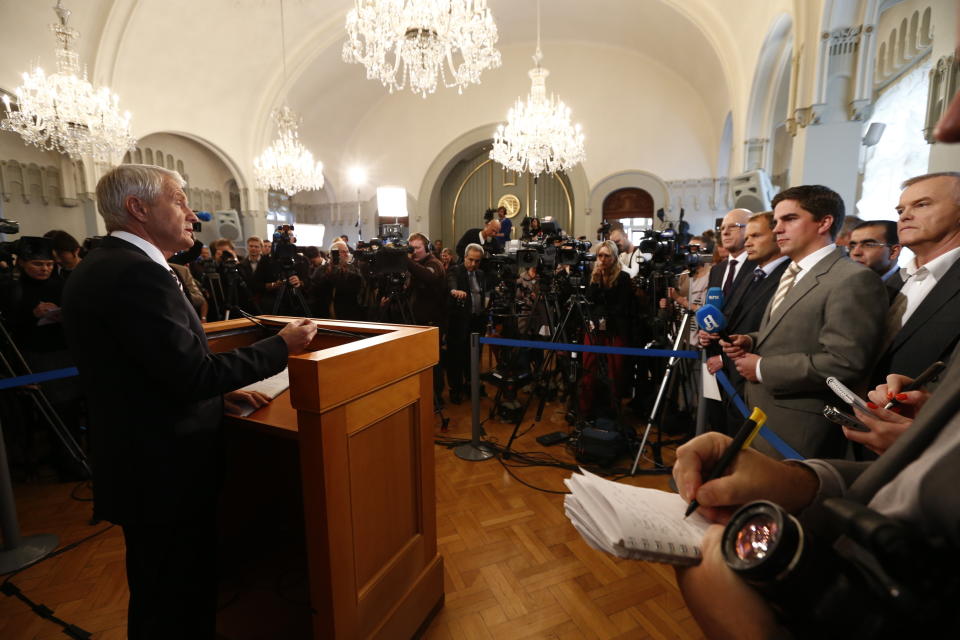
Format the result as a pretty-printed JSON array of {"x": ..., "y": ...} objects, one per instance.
[
  {"x": 904, "y": 45},
  {"x": 33, "y": 184},
  {"x": 944, "y": 82},
  {"x": 699, "y": 195},
  {"x": 754, "y": 152}
]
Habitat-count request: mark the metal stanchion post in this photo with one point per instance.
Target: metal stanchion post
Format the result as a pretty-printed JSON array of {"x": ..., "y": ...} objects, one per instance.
[
  {"x": 18, "y": 551},
  {"x": 474, "y": 450}
]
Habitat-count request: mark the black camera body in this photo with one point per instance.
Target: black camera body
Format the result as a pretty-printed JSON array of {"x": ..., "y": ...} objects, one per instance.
[{"x": 860, "y": 574}]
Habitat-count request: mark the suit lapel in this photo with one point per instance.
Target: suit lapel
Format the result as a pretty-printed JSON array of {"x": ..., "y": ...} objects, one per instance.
[
  {"x": 740, "y": 286},
  {"x": 945, "y": 290},
  {"x": 807, "y": 284}
]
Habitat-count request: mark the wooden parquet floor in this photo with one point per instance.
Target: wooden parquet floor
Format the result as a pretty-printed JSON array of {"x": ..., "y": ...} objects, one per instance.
[{"x": 514, "y": 566}]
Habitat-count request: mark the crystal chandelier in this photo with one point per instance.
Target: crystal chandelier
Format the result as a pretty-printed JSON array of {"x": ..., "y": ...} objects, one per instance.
[
  {"x": 538, "y": 136},
  {"x": 403, "y": 42},
  {"x": 63, "y": 112},
  {"x": 287, "y": 165}
]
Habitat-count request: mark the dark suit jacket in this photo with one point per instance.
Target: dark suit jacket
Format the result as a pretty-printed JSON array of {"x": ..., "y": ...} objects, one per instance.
[
  {"x": 473, "y": 235},
  {"x": 460, "y": 311},
  {"x": 930, "y": 334},
  {"x": 830, "y": 323},
  {"x": 153, "y": 388},
  {"x": 717, "y": 271}
]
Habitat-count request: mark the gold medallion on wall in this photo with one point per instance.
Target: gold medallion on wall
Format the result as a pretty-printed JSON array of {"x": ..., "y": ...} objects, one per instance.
[{"x": 511, "y": 203}]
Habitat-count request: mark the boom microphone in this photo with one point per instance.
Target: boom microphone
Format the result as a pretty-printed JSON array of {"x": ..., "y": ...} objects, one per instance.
[{"x": 711, "y": 320}]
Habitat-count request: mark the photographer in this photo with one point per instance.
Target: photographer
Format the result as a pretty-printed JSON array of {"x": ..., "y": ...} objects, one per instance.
[
  {"x": 66, "y": 252},
  {"x": 340, "y": 282},
  {"x": 283, "y": 277},
  {"x": 427, "y": 283},
  {"x": 531, "y": 229}
]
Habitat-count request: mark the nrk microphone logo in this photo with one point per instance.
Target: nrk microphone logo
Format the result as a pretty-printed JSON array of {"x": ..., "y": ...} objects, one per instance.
[{"x": 710, "y": 324}]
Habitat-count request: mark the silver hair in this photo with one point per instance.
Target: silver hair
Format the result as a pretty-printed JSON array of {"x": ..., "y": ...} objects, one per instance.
[
  {"x": 141, "y": 180},
  {"x": 473, "y": 246}
]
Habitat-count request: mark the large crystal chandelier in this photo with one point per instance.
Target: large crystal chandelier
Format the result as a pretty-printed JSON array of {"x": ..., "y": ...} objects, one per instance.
[
  {"x": 403, "y": 42},
  {"x": 63, "y": 112},
  {"x": 538, "y": 136},
  {"x": 286, "y": 165}
]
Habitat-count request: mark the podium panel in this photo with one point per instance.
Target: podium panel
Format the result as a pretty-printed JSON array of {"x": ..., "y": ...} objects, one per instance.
[{"x": 360, "y": 410}]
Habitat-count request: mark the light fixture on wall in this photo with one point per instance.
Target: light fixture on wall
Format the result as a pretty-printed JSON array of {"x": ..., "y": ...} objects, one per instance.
[
  {"x": 63, "y": 112},
  {"x": 417, "y": 42},
  {"x": 287, "y": 165},
  {"x": 538, "y": 136}
]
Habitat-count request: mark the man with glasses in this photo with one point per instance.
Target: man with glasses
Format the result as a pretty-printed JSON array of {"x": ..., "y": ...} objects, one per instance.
[
  {"x": 874, "y": 244},
  {"x": 730, "y": 273}
]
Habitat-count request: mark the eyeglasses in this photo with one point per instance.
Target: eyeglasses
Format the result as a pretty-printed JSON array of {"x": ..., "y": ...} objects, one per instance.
[
  {"x": 865, "y": 244},
  {"x": 732, "y": 226}
]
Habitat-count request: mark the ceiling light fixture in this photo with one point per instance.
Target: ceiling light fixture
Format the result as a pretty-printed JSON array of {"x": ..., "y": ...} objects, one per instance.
[
  {"x": 417, "y": 42},
  {"x": 538, "y": 136},
  {"x": 63, "y": 112},
  {"x": 287, "y": 165}
]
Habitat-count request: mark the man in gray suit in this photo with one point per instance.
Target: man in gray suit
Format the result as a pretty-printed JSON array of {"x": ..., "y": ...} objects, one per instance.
[{"x": 825, "y": 319}]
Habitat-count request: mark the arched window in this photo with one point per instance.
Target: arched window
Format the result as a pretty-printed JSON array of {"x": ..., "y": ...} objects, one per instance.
[
  {"x": 631, "y": 208},
  {"x": 279, "y": 211}
]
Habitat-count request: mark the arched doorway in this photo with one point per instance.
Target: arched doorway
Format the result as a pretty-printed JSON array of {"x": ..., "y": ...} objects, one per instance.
[{"x": 631, "y": 209}]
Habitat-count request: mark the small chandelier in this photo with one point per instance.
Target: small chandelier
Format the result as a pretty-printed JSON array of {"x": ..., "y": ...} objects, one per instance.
[
  {"x": 538, "y": 136},
  {"x": 63, "y": 112},
  {"x": 403, "y": 42},
  {"x": 287, "y": 165}
]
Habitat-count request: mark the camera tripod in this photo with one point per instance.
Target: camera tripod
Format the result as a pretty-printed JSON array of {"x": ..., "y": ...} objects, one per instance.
[
  {"x": 291, "y": 293},
  {"x": 41, "y": 402},
  {"x": 577, "y": 315},
  {"x": 665, "y": 383}
]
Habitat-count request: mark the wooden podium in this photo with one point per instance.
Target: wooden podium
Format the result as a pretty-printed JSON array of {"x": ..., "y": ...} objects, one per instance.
[{"x": 360, "y": 413}]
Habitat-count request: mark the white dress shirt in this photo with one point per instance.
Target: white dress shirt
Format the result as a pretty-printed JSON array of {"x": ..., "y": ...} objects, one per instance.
[{"x": 918, "y": 282}]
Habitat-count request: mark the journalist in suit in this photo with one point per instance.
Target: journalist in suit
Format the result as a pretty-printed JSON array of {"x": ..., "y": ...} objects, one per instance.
[
  {"x": 745, "y": 309},
  {"x": 467, "y": 314},
  {"x": 825, "y": 319},
  {"x": 156, "y": 398}
]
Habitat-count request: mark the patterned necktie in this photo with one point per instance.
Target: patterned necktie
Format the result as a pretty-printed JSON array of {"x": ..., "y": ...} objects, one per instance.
[
  {"x": 728, "y": 284},
  {"x": 758, "y": 275},
  {"x": 176, "y": 279},
  {"x": 786, "y": 283}
]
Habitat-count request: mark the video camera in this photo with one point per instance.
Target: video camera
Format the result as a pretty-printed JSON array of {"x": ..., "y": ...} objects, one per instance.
[
  {"x": 382, "y": 256},
  {"x": 876, "y": 577},
  {"x": 665, "y": 256}
]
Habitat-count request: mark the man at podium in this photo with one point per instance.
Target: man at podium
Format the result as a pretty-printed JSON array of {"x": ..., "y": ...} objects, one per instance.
[{"x": 155, "y": 394}]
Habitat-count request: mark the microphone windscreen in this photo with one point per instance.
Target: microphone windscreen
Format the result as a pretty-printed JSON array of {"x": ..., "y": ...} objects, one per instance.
[
  {"x": 710, "y": 319},
  {"x": 715, "y": 297},
  {"x": 204, "y": 216}
]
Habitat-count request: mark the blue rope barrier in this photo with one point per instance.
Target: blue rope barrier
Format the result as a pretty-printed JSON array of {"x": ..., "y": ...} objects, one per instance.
[
  {"x": 34, "y": 378},
  {"x": 775, "y": 441},
  {"x": 590, "y": 348}
]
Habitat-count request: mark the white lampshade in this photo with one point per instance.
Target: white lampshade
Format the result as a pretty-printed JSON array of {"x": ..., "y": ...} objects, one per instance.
[{"x": 392, "y": 202}]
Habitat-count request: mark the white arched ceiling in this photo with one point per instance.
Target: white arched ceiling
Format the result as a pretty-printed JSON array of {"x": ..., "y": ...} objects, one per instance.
[
  {"x": 212, "y": 69},
  {"x": 773, "y": 63}
]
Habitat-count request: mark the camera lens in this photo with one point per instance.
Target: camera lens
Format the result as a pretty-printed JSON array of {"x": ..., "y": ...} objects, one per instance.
[
  {"x": 756, "y": 538},
  {"x": 762, "y": 542}
]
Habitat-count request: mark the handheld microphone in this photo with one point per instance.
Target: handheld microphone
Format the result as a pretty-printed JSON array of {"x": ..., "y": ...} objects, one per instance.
[
  {"x": 714, "y": 297},
  {"x": 711, "y": 320}
]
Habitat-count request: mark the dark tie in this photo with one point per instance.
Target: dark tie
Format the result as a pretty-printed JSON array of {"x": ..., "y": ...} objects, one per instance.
[
  {"x": 758, "y": 275},
  {"x": 728, "y": 285}
]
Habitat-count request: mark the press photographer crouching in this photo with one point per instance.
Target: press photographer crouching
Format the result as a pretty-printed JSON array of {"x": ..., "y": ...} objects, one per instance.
[{"x": 836, "y": 548}]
